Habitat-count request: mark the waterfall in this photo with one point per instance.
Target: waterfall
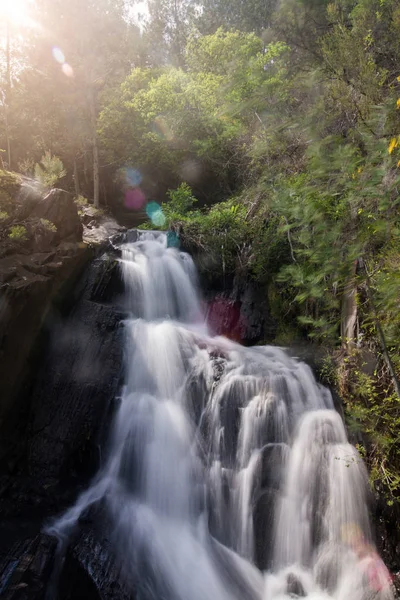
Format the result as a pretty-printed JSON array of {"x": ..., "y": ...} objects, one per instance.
[{"x": 229, "y": 474}]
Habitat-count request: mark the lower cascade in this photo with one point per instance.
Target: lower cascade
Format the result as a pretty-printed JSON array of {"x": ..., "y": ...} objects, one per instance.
[{"x": 228, "y": 473}]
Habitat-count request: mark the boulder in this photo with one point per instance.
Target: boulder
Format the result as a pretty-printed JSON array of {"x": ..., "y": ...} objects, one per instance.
[
  {"x": 26, "y": 567},
  {"x": 59, "y": 208},
  {"x": 264, "y": 520},
  {"x": 91, "y": 570}
]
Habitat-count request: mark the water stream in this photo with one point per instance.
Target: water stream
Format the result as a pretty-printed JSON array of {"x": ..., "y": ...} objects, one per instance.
[{"x": 229, "y": 474}]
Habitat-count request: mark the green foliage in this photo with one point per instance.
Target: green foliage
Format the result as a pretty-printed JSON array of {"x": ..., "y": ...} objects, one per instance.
[
  {"x": 17, "y": 233},
  {"x": 181, "y": 201},
  {"x": 81, "y": 200},
  {"x": 252, "y": 15},
  {"x": 223, "y": 52},
  {"x": 328, "y": 371},
  {"x": 48, "y": 225},
  {"x": 50, "y": 170},
  {"x": 3, "y": 215},
  {"x": 169, "y": 117},
  {"x": 373, "y": 408}
]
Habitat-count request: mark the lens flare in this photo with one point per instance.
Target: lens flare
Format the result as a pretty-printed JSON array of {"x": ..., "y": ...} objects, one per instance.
[
  {"x": 155, "y": 214},
  {"x": 162, "y": 128},
  {"x": 17, "y": 12},
  {"x": 133, "y": 177},
  {"x": 134, "y": 198},
  {"x": 58, "y": 55},
  {"x": 173, "y": 240},
  {"x": 67, "y": 70}
]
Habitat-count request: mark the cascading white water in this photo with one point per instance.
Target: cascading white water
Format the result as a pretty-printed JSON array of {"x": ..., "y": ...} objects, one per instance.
[{"x": 229, "y": 474}]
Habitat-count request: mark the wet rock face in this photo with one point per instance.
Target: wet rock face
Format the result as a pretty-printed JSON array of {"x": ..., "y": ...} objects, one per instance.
[
  {"x": 240, "y": 313},
  {"x": 90, "y": 569},
  {"x": 28, "y": 285},
  {"x": 26, "y": 567},
  {"x": 80, "y": 376},
  {"x": 53, "y": 441},
  {"x": 38, "y": 265}
]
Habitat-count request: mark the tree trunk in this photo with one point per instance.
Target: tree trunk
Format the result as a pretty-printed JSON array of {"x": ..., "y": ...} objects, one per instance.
[
  {"x": 76, "y": 179},
  {"x": 348, "y": 322},
  {"x": 8, "y": 93},
  {"x": 6, "y": 122},
  {"x": 96, "y": 176}
]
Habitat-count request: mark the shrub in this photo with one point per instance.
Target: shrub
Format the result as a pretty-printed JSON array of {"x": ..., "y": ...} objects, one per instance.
[
  {"x": 18, "y": 233},
  {"x": 81, "y": 200},
  {"x": 50, "y": 170},
  {"x": 181, "y": 201}
]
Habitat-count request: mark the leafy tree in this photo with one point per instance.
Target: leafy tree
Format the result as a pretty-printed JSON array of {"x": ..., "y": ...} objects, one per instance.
[
  {"x": 87, "y": 48},
  {"x": 169, "y": 116},
  {"x": 167, "y": 31},
  {"x": 250, "y": 16}
]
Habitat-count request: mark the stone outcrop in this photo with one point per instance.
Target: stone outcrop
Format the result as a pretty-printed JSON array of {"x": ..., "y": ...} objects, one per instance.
[
  {"x": 34, "y": 269},
  {"x": 59, "y": 208},
  {"x": 54, "y": 438}
]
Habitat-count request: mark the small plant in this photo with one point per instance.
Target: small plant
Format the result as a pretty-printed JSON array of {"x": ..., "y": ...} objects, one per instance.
[
  {"x": 18, "y": 233},
  {"x": 3, "y": 215},
  {"x": 81, "y": 200},
  {"x": 328, "y": 371},
  {"x": 50, "y": 170},
  {"x": 48, "y": 225},
  {"x": 181, "y": 202}
]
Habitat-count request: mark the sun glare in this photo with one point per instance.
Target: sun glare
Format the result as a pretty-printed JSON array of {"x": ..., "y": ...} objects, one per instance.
[{"x": 16, "y": 11}]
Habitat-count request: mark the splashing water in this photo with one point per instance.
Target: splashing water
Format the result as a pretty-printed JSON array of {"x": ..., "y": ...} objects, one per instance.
[{"x": 229, "y": 474}]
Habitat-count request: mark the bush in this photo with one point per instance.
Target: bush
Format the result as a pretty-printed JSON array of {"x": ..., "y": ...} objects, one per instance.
[
  {"x": 181, "y": 201},
  {"x": 18, "y": 233},
  {"x": 81, "y": 200},
  {"x": 50, "y": 170}
]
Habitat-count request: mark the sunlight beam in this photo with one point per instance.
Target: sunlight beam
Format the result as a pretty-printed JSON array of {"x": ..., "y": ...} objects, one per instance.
[{"x": 16, "y": 12}]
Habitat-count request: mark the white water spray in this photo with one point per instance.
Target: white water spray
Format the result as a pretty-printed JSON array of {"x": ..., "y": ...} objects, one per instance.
[{"x": 229, "y": 475}]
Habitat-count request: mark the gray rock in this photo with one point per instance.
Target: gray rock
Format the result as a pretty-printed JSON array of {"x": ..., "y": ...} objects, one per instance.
[{"x": 59, "y": 208}]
